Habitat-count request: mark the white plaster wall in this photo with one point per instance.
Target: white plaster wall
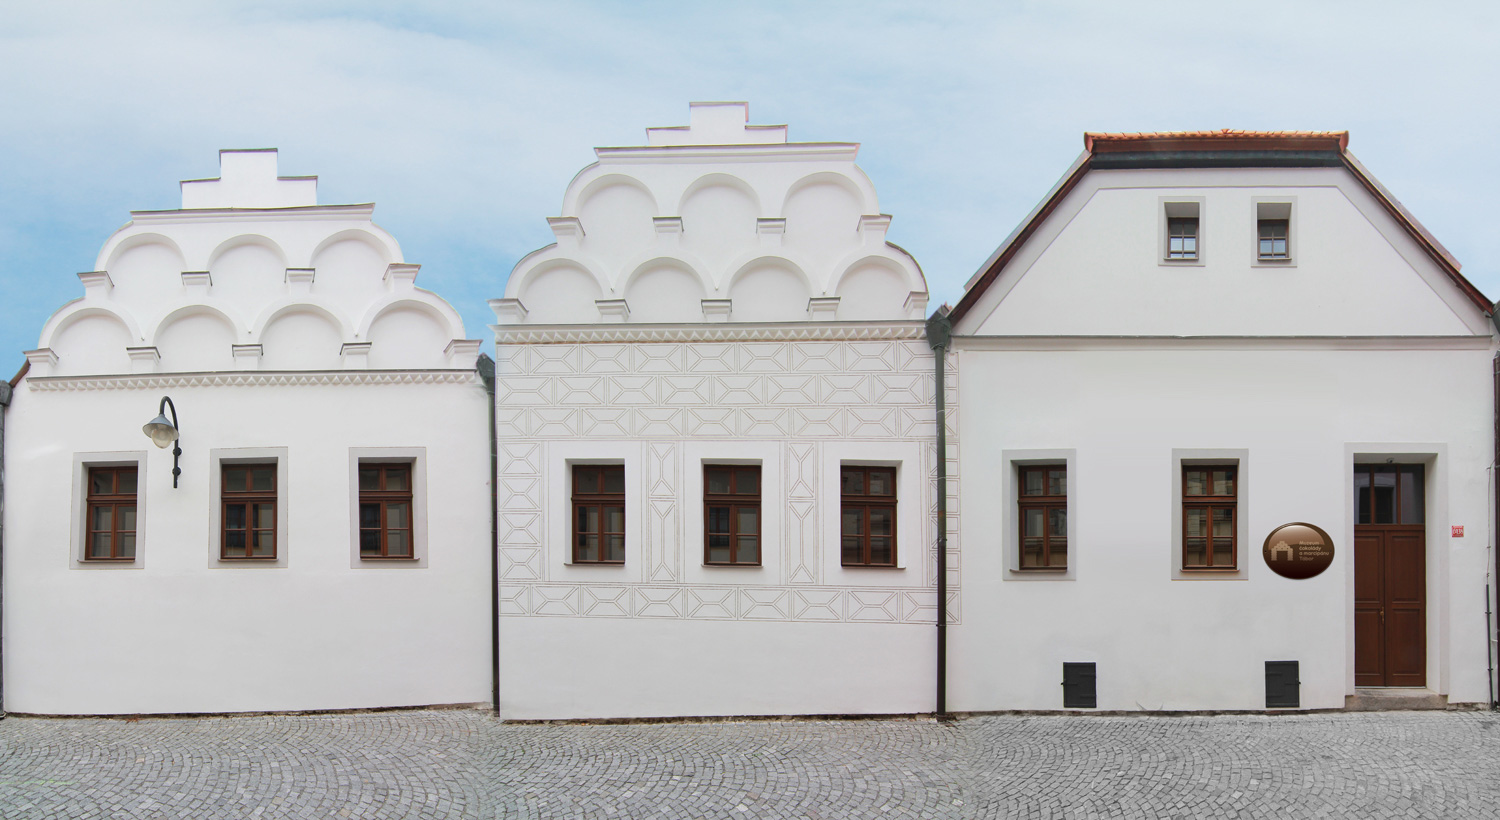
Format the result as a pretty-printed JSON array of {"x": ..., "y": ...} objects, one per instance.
[
  {"x": 180, "y": 634},
  {"x": 1201, "y": 644}
]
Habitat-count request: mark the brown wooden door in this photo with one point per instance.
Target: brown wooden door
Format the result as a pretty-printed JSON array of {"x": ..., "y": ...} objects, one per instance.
[{"x": 1390, "y": 605}]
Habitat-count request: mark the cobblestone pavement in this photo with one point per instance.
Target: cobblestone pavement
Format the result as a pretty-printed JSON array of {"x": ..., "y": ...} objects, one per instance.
[{"x": 451, "y": 763}]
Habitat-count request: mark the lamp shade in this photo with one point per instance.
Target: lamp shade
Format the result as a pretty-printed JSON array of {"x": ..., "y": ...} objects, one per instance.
[{"x": 160, "y": 430}]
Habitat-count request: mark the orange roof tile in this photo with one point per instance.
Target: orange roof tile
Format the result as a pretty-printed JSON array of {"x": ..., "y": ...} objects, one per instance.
[{"x": 1103, "y": 141}]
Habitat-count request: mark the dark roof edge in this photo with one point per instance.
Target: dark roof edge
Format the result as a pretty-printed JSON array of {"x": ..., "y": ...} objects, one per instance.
[
  {"x": 1281, "y": 159},
  {"x": 20, "y": 374}
]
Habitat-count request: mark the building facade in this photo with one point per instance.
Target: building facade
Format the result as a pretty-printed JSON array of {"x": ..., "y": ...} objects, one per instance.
[
  {"x": 716, "y": 440},
  {"x": 1194, "y": 340},
  {"x": 324, "y": 546}
]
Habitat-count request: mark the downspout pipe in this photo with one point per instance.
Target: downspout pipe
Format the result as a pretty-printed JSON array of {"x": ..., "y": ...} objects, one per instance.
[
  {"x": 5, "y": 394},
  {"x": 939, "y": 336},
  {"x": 486, "y": 368},
  {"x": 1493, "y": 612}
]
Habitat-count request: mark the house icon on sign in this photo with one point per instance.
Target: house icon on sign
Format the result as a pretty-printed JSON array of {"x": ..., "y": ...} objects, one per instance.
[{"x": 1280, "y": 550}]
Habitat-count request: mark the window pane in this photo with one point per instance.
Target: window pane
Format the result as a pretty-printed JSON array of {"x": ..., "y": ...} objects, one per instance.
[
  {"x": 125, "y": 481},
  {"x": 853, "y": 522},
  {"x": 369, "y": 542},
  {"x": 718, "y": 550},
  {"x": 880, "y": 551},
  {"x": 234, "y": 516},
  {"x": 1195, "y": 482},
  {"x": 99, "y": 545},
  {"x": 614, "y": 519},
  {"x": 1033, "y": 519},
  {"x": 1058, "y": 555},
  {"x": 265, "y": 544},
  {"x": 588, "y": 548},
  {"x": 616, "y": 547},
  {"x": 369, "y": 478},
  {"x": 1190, "y": 246},
  {"x": 747, "y": 521},
  {"x": 852, "y": 482},
  {"x": 1385, "y": 495},
  {"x": 1031, "y": 551},
  {"x": 1265, "y": 247},
  {"x": 369, "y": 515},
  {"x": 265, "y": 516},
  {"x": 398, "y": 515},
  {"x": 1223, "y": 552},
  {"x": 748, "y": 551},
  {"x": 880, "y": 521},
  {"x": 101, "y": 482},
  {"x": 881, "y": 482},
  {"x": 1223, "y": 482},
  {"x": 718, "y": 520},
  {"x": 397, "y": 478},
  {"x": 1197, "y": 522},
  {"x": 852, "y": 548},
  {"x": 235, "y": 479},
  {"x": 397, "y": 543},
  {"x": 126, "y": 515},
  {"x": 1412, "y": 495},
  {"x": 127, "y": 545},
  {"x": 1034, "y": 482},
  {"x": 1362, "y": 495},
  {"x": 747, "y": 481},
  {"x": 1057, "y": 482},
  {"x": 1223, "y": 522},
  {"x": 718, "y": 481},
  {"x": 1194, "y": 552},
  {"x": 103, "y": 516},
  {"x": 585, "y": 479},
  {"x": 1057, "y": 524},
  {"x": 234, "y": 544},
  {"x": 614, "y": 479},
  {"x": 718, "y": 542},
  {"x": 588, "y": 519},
  {"x": 262, "y": 479}
]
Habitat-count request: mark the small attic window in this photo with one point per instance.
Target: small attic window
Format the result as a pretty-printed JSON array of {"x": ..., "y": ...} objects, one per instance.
[
  {"x": 1182, "y": 240},
  {"x": 1273, "y": 231}
]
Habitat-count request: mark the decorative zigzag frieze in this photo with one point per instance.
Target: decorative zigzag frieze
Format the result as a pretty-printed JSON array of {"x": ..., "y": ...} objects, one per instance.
[{"x": 250, "y": 378}]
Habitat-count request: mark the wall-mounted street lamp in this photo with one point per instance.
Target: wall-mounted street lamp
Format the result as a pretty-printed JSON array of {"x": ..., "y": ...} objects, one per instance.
[{"x": 163, "y": 432}]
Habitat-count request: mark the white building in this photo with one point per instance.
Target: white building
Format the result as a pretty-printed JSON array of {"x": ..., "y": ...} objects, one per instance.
[
  {"x": 326, "y": 544},
  {"x": 1195, "y": 339},
  {"x": 692, "y": 381}
]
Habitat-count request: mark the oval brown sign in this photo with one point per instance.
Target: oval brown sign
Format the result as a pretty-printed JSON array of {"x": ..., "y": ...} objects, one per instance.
[{"x": 1298, "y": 550}]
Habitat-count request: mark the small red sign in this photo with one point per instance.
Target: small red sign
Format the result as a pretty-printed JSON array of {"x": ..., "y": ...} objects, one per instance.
[{"x": 1458, "y": 530}]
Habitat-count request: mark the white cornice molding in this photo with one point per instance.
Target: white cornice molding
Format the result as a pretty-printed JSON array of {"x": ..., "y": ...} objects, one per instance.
[
  {"x": 305, "y": 212},
  {"x": 1223, "y": 342},
  {"x": 717, "y": 332},
  {"x": 249, "y": 378},
  {"x": 776, "y": 152}
]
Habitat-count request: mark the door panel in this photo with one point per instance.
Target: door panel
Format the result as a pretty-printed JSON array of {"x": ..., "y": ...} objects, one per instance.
[
  {"x": 1390, "y": 607},
  {"x": 1369, "y": 593}
]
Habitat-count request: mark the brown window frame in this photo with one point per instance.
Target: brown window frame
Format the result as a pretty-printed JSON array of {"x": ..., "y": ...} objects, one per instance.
[
  {"x": 735, "y": 501},
  {"x": 386, "y": 498},
  {"x": 1211, "y": 502},
  {"x": 114, "y": 501},
  {"x": 1047, "y": 502},
  {"x": 865, "y": 502},
  {"x": 250, "y": 498},
  {"x": 1261, "y": 226},
  {"x": 598, "y": 499},
  {"x": 1176, "y": 229}
]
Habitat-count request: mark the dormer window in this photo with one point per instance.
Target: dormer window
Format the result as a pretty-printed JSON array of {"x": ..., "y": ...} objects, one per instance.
[{"x": 1181, "y": 241}]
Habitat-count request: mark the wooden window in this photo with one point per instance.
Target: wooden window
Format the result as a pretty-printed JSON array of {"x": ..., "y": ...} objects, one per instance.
[
  {"x": 1273, "y": 238},
  {"x": 868, "y": 516},
  {"x": 1043, "y": 516},
  {"x": 1209, "y": 501},
  {"x": 248, "y": 517},
  {"x": 1389, "y": 494},
  {"x": 385, "y": 511},
  {"x": 598, "y": 513},
  {"x": 731, "y": 515},
  {"x": 1182, "y": 237},
  {"x": 111, "y": 514}
]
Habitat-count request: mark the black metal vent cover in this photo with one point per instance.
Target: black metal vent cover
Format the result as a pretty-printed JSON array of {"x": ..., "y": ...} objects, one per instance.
[
  {"x": 1079, "y": 691},
  {"x": 1283, "y": 685}
]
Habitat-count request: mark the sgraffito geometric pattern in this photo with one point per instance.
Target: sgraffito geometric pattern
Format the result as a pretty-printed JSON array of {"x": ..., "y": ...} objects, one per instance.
[{"x": 801, "y": 392}]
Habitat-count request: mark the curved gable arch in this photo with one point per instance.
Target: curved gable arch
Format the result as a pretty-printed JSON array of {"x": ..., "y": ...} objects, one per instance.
[
  {"x": 759, "y": 258},
  {"x": 246, "y": 239},
  {"x": 723, "y": 179},
  {"x": 576, "y": 198},
  {"x": 652, "y": 260},
  {"x": 861, "y": 189},
  {"x": 385, "y": 250},
  {"x": 548, "y": 258},
  {"x": 120, "y": 243},
  {"x": 434, "y": 307},
  {"x": 78, "y": 309},
  {"x": 905, "y": 266},
  {"x": 198, "y": 308},
  {"x": 284, "y": 306}
]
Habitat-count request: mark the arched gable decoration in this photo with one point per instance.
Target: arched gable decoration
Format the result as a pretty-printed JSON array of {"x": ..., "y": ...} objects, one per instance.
[
  {"x": 288, "y": 305},
  {"x": 727, "y": 180},
  {"x": 381, "y": 242},
  {"x": 123, "y": 241},
  {"x": 653, "y": 259},
  {"x": 240, "y": 332},
  {"x": 861, "y": 187},
  {"x": 76, "y": 310},
  {"x": 246, "y": 239},
  {"x": 755, "y": 258},
  {"x": 546, "y": 259},
  {"x": 904, "y": 265},
  {"x": 576, "y": 197},
  {"x": 434, "y": 306}
]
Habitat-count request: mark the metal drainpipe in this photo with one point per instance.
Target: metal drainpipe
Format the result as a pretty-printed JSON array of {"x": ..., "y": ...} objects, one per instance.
[
  {"x": 5, "y": 393},
  {"x": 486, "y": 367},
  {"x": 1495, "y": 524},
  {"x": 939, "y": 334}
]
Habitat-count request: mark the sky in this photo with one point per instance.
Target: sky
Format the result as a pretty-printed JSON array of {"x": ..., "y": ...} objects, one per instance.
[{"x": 464, "y": 122}]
